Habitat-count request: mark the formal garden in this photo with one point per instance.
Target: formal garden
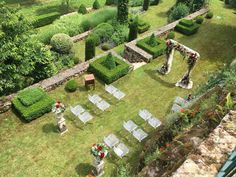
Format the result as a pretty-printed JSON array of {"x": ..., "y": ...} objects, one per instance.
[{"x": 111, "y": 87}]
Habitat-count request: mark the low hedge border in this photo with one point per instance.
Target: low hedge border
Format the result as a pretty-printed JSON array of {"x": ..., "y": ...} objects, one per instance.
[
  {"x": 154, "y": 51},
  {"x": 31, "y": 96},
  {"x": 46, "y": 19},
  {"x": 106, "y": 75},
  {"x": 185, "y": 28},
  {"x": 29, "y": 113}
]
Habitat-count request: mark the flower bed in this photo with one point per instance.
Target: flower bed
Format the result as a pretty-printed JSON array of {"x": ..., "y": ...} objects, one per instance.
[
  {"x": 109, "y": 75},
  {"x": 155, "y": 51},
  {"x": 32, "y": 103}
]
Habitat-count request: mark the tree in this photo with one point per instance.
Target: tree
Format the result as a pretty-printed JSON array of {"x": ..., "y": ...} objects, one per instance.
[
  {"x": 122, "y": 11},
  {"x": 23, "y": 60},
  {"x": 179, "y": 11},
  {"x": 89, "y": 48},
  {"x": 110, "y": 62},
  {"x": 146, "y": 4},
  {"x": 96, "y": 4},
  {"x": 133, "y": 29}
]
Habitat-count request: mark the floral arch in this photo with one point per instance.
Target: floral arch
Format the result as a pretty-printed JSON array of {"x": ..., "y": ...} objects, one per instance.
[{"x": 192, "y": 57}]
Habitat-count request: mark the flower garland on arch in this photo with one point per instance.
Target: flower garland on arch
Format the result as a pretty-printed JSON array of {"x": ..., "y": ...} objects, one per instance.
[
  {"x": 58, "y": 108},
  {"x": 99, "y": 151}
]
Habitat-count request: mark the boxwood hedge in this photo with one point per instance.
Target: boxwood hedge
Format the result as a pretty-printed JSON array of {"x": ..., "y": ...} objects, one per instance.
[
  {"x": 143, "y": 26},
  {"x": 46, "y": 19},
  {"x": 109, "y": 75},
  {"x": 35, "y": 107},
  {"x": 154, "y": 51},
  {"x": 187, "y": 27}
]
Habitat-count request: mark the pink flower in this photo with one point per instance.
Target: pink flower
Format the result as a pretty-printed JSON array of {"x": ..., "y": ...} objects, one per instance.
[
  {"x": 182, "y": 110},
  {"x": 99, "y": 148},
  {"x": 57, "y": 106},
  {"x": 102, "y": 155}
]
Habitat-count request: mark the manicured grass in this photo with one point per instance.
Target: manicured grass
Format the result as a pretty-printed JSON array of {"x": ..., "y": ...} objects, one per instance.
[{"x": 36, "y": 149}]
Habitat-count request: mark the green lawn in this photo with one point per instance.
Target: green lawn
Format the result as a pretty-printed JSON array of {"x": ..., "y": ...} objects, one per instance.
[{"x": 36, "y": 149}]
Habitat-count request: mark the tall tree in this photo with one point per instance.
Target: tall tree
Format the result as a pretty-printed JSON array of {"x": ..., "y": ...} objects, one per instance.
[
  {"x": 122, "y": 11},
  {"x": 89, "y": 48},
  {"x": 23, "y": 60},
  {"x": 146, "y": 4},
  {"x": 133, "y": 29}
]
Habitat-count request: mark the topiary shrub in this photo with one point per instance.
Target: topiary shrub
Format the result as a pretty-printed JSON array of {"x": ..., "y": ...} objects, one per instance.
[
  {"x": 109, "y": 62},
  {"x": 146, "y": 4},
  {"x": 61, "y": 43},
  {"x": 82, "y": 9},
  {"x": 71, "y": 85},
  {"x": 89, "y": 48},
  {"x": 152, "y": 41},
  {"x": 142, "y": 26},
  {"x": 46, "y": 19},
  {"x": 123, "y": 11},
  {"x": 187, "y": 27},
  {"x": 171, "y": 35},
  {"x": 96, "y": 5},
  {"x": 199, "y": 20},
  {"x": 86, "y": 25},
  {"x": 209, "y": 15},
  {"x": 104, "y": 31},
  {"x": 32, "y": 103},
  {"x": 105, "y": 46},
  {"x": 133, "y": 29}
]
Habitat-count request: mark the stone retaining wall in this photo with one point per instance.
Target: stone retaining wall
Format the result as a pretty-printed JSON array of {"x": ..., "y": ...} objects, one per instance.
[
  {"x": 81, "y": 36},
  {"x": 135, "y": 54}
]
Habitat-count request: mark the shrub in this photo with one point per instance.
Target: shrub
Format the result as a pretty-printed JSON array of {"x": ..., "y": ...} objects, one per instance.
[
  {"x": 123, "y": 11},
  {"x": 227, "y": 2},
  {"x": 199, "y": 20},
  {"x": 86, "y": 25},
  {"x": 154, "y": 2},
  {"x": 142, "y": 26},
  {"x": 187, "y": 27},
  {"x": 109, "y": 2},
  {"x": 152, "y": 41},
  {"x": 45, "y": 19},
  {"x": 109, "y": 63},
  {"x": 76, "y": 60},
  {"x": 89, "y": 48},
  {"x": 209, "y": 15},
  {"x": 146, "y": 4},
  {"x": 109, "y": 75},
  {"x": 155, "y": 51},
  {"x": 105, "y": 46},
  {"x": 120, "y": 35},
  {"x": 96, "y": 5},
  {"x": 104, "y": 31},
  {"x": 63, "y": 61},
  {"x": 178, "y": 12},
  {"x": 82, "y": 9},
  {"x": 133, "y": 29},
  {"x": 171, "y": 35},
  {"x": 36, "y": 106},
  {"x": 61, "y": 43},
  {"x": 95, "y": 38},
  {"x": 71, "y": 85}
]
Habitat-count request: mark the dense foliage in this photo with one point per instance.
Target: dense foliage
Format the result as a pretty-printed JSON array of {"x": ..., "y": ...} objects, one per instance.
[
  {"x": 143, "y": 26},
  {"x": 209, "y": 15},
  {"x": 146, "y": 4},
  {"x": 61, "y": 43},
  {"x": 46, "y": 19},
  {"x": 109, "y": 2},
  {"x": 109, "y": 62},
  {"x": 104, "y": 31},
  {"x": 89, "y": 48},
  {"x": 36, "y": 105},
  {"x": 96, "y": 5},
  {"x": 179, "y": 11},
  {"x": 71, "y": 85},
  {"x": 20, "y": 56},
  {"x": 109, "y": 75},
  {"x": 154, "y": 46},
  {"x": 122, "y": 11},
  {"x": 171, "y": 35},
  {"x": 199, "y": 20},
  {"x": 133, "y": 29},
  {"x": 82, "y": 9}
]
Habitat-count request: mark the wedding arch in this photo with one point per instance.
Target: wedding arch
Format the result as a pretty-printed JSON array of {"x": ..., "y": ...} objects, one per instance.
[{"x": 191, "y": 55}]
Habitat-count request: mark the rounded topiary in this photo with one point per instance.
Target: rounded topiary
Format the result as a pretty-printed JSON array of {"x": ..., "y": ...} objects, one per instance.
[
  {"x": 89, "y": 48},
  {"x": 61, "y": 43},
  {"x": 109, "y": 62},
  {"x": 209, "y": 15},
  {"x": 82, "y": 9},
  {"x": 96, "y": 5},
  {"x": 199, "y": 20},
  {"x": 71, "y": 85},
  {"x": 171, "y": 35},
  {"x": 105, "y": 46},
  {"x": 233, "y": 66}
]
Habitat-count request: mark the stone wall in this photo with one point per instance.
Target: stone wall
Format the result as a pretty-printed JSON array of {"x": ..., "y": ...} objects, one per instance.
[
  {"x": 81, "y": 36},
  {"x": 135, "y": 54}
]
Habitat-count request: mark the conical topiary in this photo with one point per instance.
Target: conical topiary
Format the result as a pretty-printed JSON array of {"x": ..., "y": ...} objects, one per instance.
[
  {"x": 82, "y": 9},
  {"x": 110, "y": 62},
  {"x": 153, "y": 41},
  {"x": 96, "y": 4}
]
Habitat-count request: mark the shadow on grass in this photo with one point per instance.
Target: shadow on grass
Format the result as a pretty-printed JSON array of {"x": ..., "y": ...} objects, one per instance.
[
  {"x": 155, "y": 76},
  {"x": 162, "y": 14},
  {"x": 49, "y": 128},
  {"x": 83, "y": 169}
]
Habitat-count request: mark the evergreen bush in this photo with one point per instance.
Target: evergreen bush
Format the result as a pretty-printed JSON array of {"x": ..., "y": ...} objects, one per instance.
[
  {"x": 61, "y": 43},
  {"x": 133, "y": 29},
  {"x": 71, "y": 85},
  {"x": 199, "y": 20},
  {"x": 122, "y": 11},
  {"x": 109, "y": 62},
  {"x": 209, "y": 15},
  {"x": 96, "y": 5},
  {"x": 82, "y": 9},
  {"x": 146, "y": 4},
  {"x": 89, "y": 48},
  {"x": 171, "y": 35}
]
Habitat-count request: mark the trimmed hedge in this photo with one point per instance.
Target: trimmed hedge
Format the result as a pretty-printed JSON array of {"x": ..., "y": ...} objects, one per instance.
[
  {"x": 185, "y": 28},
  {"x": 109, "y": 75},
  {"x": 82, "y": 9},
  {"x": 199, "y": 20},
  {"x": 35, "y": 108},
  {"x": 143, "y": 26},
  {"x": 61, "y": 43},
  {"x": 46, "y": 19},
  {"x": 209, "y": 15},
  {"x": 154, "y": 51},
  {"x": 71, "y": 85}
]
